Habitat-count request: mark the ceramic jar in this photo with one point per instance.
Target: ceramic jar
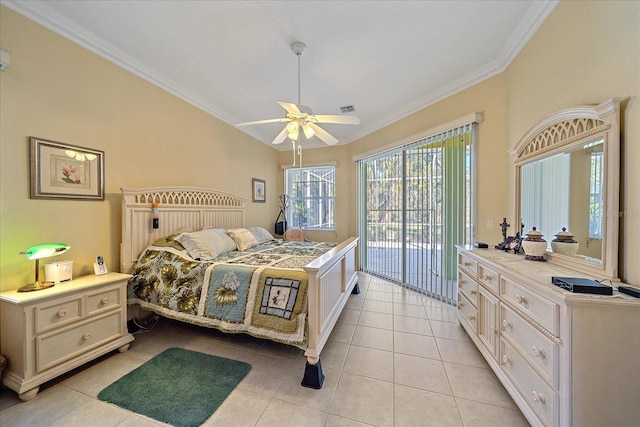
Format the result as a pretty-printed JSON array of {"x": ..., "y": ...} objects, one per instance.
[
  {"x": 534, "y": 246},
  {"x": 564, "y": 243}
]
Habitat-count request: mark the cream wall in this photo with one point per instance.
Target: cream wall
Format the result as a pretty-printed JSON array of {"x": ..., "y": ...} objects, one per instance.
[
  {"x": 59, "y": 91},
  {"x": 584, "y": 53}
]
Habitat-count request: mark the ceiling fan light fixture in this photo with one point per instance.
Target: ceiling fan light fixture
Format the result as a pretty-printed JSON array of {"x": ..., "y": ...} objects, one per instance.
[
  {"x": 308, "y": 131},
  {"x": 293, "y": 129}
]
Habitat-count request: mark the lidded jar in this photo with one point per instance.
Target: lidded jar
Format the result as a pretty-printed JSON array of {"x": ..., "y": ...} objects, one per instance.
[
  {"x": 534, "y": 246},
  {"x": 564, "y": 243}
]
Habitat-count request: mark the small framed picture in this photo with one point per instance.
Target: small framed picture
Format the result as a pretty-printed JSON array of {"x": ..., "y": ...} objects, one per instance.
[
  {"x": 65, "y": 171},
  {"x": 259, "y": 190}
]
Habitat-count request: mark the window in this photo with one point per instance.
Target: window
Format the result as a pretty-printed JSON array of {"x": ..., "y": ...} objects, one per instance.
[
  {"x": 311, "y": 194},
  {"x": 596, "y": 201}
]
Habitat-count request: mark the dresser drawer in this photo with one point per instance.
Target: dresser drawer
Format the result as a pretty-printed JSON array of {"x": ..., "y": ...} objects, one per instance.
[
  {"x": 67, "y": 343},
  {"x": 490, "y": 278},
  {"x": 535, "y": 390},
  {"x": 467, "y": 312},
  {"x": 106, "y": 299},
  {"x": 468, "y": 287},
  {"x": 467, "y": 263},
  {"x": 533, "y": 305},
  {"x": 539, "y": 350},
  {"x": 58, "y": 313}
]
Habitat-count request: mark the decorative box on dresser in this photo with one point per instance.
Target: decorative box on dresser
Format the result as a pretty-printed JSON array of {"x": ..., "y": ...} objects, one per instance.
[
  {"x": 49, "y": 332},
  {"x": 566, "y": 359}
]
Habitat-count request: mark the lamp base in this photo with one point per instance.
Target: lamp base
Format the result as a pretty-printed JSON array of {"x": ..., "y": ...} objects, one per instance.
[{"x": 36, "y": 286}]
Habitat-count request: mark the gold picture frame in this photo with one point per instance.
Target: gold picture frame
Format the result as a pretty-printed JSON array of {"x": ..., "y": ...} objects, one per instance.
[
  {"x": 65, "y": 171},
  {"x": 259, "y": 187}
]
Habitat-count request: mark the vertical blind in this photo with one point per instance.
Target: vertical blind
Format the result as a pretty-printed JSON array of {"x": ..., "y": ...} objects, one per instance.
[
  {"x": 549, "y": 177},
  {"x": 415, "y": 205}
]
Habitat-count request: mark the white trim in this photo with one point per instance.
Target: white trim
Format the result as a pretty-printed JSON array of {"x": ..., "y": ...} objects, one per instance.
[{"x": 452, "y": 124}]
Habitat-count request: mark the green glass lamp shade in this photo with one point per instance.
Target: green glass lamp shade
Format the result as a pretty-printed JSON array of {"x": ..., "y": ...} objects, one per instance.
[{"x": 42, "y": 251}]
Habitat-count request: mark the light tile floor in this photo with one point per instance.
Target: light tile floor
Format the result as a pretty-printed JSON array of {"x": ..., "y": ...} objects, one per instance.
[{"x": 395, "y": 358}]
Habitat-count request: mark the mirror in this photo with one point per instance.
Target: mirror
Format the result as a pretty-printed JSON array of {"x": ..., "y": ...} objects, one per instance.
[{"x": 567, "y": 176}]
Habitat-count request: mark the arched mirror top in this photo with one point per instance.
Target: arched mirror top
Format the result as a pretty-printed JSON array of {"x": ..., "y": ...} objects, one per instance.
[{"x": 567, "y": 176}]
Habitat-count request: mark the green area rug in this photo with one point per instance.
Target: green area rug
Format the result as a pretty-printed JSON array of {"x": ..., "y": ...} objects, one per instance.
[{"x": 179, "y": 387}]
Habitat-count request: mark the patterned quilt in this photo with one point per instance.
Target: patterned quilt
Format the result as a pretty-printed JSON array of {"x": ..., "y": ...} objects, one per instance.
[{"x": 262, "y": 291}]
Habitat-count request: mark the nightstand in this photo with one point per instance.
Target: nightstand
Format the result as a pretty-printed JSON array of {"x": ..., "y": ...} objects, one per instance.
[{"x": 49, "y": 332}]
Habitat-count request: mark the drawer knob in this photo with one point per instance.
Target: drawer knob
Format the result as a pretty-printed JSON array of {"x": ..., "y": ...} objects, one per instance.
[
  {"x": 467, "y": 263},
  {"x": 506, "y": 359},
  {"x": 520, "y": 299},
  {"x": 506, "y": 324},
  {"x": 487, "y": 277},
  {"x": 62, "y": 313},
  {"x": 473, "y": 292},
  {"x": 105, "y": 301},
  {"x": 86, "y": 336},
  {"x": 538, "y": 397},
  {"x": 472, "y": 317},
  {"x": 538, "y": 352}
]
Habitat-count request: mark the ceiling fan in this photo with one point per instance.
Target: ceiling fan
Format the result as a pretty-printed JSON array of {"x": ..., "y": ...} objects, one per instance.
[{"x": 300, "y": 117}]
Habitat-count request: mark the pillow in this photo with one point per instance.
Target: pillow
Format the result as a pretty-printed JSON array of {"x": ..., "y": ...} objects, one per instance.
[
  {"x": 260, "y": 234},
  {"x": 206, "y": 244},
  {"x": 244, "y": 238}
]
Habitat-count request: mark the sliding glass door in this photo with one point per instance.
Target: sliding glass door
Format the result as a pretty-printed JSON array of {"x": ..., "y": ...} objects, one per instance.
[{"x": 416, "y": 204}]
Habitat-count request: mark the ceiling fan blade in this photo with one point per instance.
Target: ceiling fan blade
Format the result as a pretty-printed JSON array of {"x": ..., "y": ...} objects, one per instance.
[
  {"x": 281, "y": 136},
  {"x": 324, "y": 135},
  {"x": 336, "y": 118},
  {"x": 259, "y": 122},
  {"x": 291, "y": 108}
]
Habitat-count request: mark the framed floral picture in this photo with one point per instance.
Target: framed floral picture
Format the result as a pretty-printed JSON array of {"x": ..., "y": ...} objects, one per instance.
[
  {"x": 65, "y": 171},
  {"x": 259, "y": 190}
]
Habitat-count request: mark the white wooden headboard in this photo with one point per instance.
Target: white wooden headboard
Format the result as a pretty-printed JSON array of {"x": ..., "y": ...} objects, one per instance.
[{"x": 180, "y": 208}]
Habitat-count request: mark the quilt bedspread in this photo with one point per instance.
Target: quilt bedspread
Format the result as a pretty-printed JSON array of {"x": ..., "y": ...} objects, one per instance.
[{"x": 261, "y": 291}]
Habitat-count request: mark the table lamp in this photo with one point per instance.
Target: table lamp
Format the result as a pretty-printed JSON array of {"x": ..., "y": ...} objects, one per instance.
[{"x": 42, "y": 251}]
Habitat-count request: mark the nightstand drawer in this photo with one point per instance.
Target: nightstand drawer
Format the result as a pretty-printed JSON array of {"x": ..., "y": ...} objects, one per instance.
[
  {"x": 106, "y": 299},
  {"x": 59, "y": 346},
  {"x": 58, "y": 313}
]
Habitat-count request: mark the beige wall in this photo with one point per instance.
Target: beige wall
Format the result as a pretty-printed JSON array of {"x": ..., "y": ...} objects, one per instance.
[
  {"x": 59, "y": 91},
  {"x": 585, "y": 52}
]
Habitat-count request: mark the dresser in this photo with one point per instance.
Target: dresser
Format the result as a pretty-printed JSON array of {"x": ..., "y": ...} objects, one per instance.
[
  {"x": 566, "y": 359},
  {"x": 49, "y": 332}
]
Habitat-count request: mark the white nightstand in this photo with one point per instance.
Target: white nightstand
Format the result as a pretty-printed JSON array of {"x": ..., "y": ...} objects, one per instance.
[{"x": 49, "y": 332}]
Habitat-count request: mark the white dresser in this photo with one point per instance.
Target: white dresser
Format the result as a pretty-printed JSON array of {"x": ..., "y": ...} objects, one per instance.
[
  {"x": 49, "y": 332},
  {"x": 566, "y": 359}
]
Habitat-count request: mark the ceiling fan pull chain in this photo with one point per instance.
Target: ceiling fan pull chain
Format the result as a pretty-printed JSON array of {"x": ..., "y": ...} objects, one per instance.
[
  {"x": 299, "y": 155},
  {"x": 294, "y": 153}
]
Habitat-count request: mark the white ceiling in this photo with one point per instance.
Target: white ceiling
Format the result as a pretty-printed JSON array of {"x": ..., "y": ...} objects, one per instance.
[{"x": 233, "y": 60}]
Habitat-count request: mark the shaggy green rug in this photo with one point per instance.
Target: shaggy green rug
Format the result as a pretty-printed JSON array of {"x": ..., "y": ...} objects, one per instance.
[{"x": 179, "y": 387}]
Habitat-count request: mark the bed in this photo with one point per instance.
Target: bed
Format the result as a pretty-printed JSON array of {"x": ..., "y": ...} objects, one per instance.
[{"x": 289, "y": 292}]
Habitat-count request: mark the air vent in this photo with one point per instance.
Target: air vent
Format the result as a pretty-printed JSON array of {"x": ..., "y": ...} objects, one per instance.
[{"x": 347, "y": 109}]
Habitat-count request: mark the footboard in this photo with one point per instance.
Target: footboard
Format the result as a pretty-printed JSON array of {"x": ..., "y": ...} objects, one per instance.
[{"x": 332, "y": 278}]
